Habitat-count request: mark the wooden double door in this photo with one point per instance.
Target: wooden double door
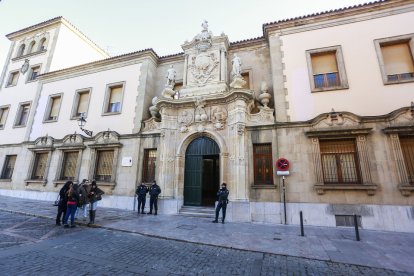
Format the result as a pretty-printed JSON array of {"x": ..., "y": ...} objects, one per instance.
[{"x": 202, "y": 172}]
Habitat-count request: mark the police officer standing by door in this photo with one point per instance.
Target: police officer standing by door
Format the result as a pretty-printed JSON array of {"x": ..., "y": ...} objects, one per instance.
[
  {"x": 223, "y": 195},
  {"x": 154, "y": 191},
  {"x": 141, "y": 192}
]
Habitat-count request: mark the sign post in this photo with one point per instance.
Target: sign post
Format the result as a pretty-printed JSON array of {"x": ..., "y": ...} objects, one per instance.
[{"x": 282, "y": 165}]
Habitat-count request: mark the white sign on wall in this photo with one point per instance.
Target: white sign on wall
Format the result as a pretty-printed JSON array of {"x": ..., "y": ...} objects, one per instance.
[{"x": 126, "y": 161}]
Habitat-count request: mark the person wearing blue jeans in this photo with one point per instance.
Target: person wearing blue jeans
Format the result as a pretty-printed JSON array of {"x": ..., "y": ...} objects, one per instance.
[{"x": 72, "y": 205}]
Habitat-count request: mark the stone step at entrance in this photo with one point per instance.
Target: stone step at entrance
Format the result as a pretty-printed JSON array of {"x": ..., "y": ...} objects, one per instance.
[{"x": 197, "y": 211}]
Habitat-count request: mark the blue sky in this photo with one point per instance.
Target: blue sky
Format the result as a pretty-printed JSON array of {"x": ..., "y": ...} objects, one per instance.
[{"x": 124, "y": 26}]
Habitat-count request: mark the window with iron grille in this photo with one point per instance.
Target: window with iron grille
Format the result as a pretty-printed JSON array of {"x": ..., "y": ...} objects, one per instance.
[
  {"x": 103, "y": 171},
  {"x": 8, "y": 167},
  {"x": 39, "y": 167},
  {"x": 262, "y": 158},
  {"x": 407, "y": 147},
  {"x": 339, "y": 161},
  {"x": 149, "y": 165},
  {"x": 69, "y": 165},
  {"x": 347, "y": 220}
]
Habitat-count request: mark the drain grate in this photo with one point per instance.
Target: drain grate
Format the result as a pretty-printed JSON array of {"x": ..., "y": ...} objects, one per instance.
[{"x": 187, "y": 227}]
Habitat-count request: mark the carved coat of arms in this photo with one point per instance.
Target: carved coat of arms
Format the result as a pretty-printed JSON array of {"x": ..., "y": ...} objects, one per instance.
[{"x": 203, "y": 66}]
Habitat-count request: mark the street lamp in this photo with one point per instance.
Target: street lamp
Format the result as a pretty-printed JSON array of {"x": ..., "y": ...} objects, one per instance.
[{"x": 82, "y": 123}]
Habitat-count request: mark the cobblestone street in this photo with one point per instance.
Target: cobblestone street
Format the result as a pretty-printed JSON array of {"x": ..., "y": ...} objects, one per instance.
[{"x": 34, "y": 246}]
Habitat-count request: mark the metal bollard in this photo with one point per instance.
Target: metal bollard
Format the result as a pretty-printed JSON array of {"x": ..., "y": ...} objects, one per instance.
[
  {"x": 356, "y": 228},
  {"x": 302, "y": 232}
]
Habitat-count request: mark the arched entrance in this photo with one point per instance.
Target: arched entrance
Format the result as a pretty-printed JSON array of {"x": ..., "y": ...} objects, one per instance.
[{"x": 202, "y": 172}]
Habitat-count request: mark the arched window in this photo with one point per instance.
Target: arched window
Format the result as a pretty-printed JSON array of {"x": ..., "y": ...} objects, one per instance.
[
  {"x": 21, "y": 50},
  {"x": 42, "y": 45},
  {"x": 31, "y": 47}
]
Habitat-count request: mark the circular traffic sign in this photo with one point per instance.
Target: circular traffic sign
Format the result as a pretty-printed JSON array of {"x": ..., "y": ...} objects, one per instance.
[{"x": 282, "y": 164}]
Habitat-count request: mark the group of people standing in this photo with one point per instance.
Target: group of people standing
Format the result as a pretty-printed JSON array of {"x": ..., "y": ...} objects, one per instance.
[
  {"x": 74, "y": 196},
  {"x": 77, "y": 199},
  {"x": 153, "y": 191}
]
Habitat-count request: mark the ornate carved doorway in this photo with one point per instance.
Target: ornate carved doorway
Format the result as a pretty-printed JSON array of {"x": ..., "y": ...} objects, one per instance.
[{"x": 202, "y": 172}]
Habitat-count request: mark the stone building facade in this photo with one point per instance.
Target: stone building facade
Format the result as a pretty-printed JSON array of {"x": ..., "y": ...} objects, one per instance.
[{"x": 330, "y": 92}]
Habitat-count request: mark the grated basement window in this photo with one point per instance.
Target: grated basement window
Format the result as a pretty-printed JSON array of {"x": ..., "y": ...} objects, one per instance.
[{"x": 347, "y": 220}]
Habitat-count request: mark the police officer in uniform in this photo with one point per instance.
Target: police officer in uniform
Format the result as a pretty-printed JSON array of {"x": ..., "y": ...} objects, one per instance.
[
  {"x": 154, "y": 191},
  {"x": 223, "y": 195},
  {"x": 141, "y": 192}
]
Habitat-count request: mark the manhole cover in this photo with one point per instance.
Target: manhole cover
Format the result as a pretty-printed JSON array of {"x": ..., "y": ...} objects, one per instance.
[{"x": 187, "y": 227}]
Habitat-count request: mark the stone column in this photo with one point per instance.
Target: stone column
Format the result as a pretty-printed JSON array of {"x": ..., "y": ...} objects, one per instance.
[
  {"x": 316, "y": 154},
  {"x": 223, "y": 65},
  {"x": 364, "y": 159},
  {"x": 185, "y": 71},
  {"x": 399, "y": 159}
]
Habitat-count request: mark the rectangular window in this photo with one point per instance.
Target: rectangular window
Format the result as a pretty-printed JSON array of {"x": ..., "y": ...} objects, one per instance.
[
  {"x": 69, "y": 165},
  {"x": 407, "y": 147},
  {"x": 53, "y": 108},
  {"x": 149, "y": 165},
  {"x": 81, "y": 104},
  {"x": 40, "y": 166},
  {"x": 12, "y": 81},
  {"x": 339, "y": 161},
  {"x": 326, "y": 69},
  {"x": 8, "y": 167},
  {"x": 4, "y": 111},
  {"x": 103, "y": 171},
  {"x": 22, "y": 115},
  {"x": 347, "y": 220},
  {"x": 263, "y": 173},
  {"x": 34, "y": 72},
  {"x": 398, "y": 61},
  {"x": 114, "y": 99}
]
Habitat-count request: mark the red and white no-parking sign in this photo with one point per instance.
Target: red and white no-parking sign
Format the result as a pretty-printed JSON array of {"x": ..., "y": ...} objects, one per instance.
[{"x": 282, "y": 165}]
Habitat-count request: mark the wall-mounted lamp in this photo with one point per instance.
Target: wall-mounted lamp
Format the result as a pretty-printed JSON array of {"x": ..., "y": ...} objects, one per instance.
[{"x": 82, "y": 123}]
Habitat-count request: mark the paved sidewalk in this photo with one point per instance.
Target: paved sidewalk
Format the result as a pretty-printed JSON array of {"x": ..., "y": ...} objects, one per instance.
[{"x": 380, "y": 249}]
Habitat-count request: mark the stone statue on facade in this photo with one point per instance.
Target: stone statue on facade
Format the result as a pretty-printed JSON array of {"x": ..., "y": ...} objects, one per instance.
[
  {"x": 168, "y": 91},
  {"x": 236, "y": 62},
  {"x": 171, "y": 74},
  {"x": 237, "y": 79}
]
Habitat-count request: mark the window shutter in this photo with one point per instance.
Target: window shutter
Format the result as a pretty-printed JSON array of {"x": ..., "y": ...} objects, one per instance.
[
  {"x": 324, "y": 63},
  {"x": 116, "y": 93},
  {"x": 54, "y": 110},
  {"x": 83, "y": 102},
  {"x": 397, "y": 59}
]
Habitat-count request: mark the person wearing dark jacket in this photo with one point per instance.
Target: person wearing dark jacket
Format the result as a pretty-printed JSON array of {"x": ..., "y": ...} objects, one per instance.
[
  {"x": 154, "y": 191},
  {"x": 63, "y": 201},
  {"x": 223, "y": 195},
  {"x": 141, "y": 192},
  {"x": 72, "y": 205},
  {"x": 95, "y": 194}
]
